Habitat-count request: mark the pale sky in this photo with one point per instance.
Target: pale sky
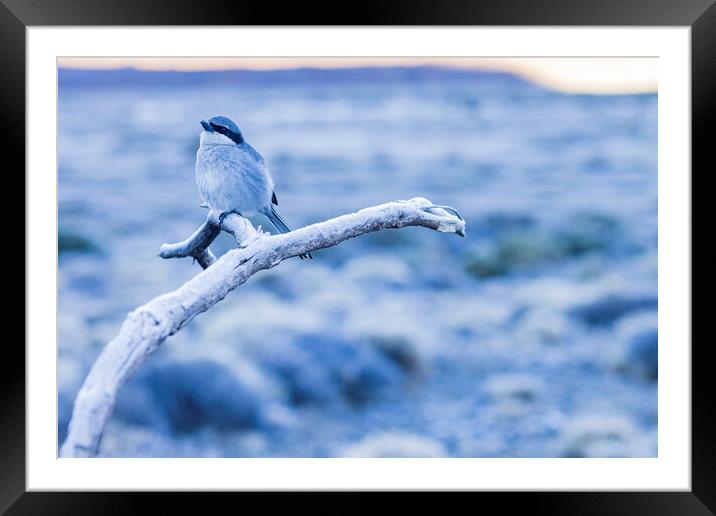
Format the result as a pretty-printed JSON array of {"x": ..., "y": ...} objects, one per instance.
[{"x": 574, "y": 74}]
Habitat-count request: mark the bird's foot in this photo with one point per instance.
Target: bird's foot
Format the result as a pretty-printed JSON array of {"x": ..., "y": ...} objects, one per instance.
[{"x": 226, "y": 214}]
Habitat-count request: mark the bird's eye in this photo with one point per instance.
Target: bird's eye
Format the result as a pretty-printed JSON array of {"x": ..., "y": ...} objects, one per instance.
[{"x": 218, "y": 128}]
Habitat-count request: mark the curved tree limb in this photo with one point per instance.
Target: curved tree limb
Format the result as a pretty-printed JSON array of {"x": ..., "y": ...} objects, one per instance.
[
  {"x": 197, "y": 245},
  {"x": 146, "y": 328}
]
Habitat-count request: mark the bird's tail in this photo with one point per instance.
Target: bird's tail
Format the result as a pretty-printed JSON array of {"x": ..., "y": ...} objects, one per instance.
[{"x": 281, "y": 226}]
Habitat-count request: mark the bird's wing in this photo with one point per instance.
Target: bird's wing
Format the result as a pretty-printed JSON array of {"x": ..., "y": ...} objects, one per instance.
[{"x": 273, "y": 198}]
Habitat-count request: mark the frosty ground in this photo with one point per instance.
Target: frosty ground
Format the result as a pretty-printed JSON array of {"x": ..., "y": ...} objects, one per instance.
[{"x": 534, "y": 336}]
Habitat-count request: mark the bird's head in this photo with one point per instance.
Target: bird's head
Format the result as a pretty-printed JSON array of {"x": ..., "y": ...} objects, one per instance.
[{"x": 221, "y": 130}]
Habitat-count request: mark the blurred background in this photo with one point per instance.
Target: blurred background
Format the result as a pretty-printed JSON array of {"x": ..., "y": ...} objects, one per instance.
[{"x": 535, "y": 336}]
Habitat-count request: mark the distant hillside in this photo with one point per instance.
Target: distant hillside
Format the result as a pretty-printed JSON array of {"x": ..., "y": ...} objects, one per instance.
[{"x": 130, "y": 77}]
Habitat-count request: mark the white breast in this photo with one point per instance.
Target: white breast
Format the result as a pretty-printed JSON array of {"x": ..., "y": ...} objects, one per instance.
[
  {"x": 207, "y": 138},
  {"x": 230, "y": 178}
]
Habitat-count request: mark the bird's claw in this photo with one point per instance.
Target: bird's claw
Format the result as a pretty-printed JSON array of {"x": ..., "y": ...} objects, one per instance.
[{"x": 225, "y": 214}]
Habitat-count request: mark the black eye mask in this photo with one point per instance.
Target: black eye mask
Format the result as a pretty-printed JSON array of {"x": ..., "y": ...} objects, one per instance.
[{"x": 235, "y": 137}]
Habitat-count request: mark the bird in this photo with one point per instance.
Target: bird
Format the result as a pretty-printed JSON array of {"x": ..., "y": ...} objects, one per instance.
[{"x": 232, "y": 176}]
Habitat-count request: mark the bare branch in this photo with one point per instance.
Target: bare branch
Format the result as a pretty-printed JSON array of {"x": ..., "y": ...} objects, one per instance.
[
  {"x": 146, "y": 328},
  {"x": 197, "y": 245}
]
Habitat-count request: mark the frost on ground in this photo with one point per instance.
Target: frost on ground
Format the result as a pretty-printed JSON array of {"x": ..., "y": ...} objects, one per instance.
[
  {"x": 394, "y": 445},
  {"x": 501, "y": 344}
]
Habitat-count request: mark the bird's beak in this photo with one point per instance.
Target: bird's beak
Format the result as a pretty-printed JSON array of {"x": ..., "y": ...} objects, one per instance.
[{"x": 206, "y": 126}]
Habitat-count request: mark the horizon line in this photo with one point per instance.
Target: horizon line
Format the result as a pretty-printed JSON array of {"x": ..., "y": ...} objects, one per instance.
[{"x": 592, "y": 75}]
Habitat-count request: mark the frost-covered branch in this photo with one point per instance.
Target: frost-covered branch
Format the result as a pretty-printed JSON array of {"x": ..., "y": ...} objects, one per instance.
[
  {"x": 197, "y": 245},
  {"x": 144, "y": 329}
]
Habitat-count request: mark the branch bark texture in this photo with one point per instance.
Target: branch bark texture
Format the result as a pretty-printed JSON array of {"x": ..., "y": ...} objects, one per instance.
[{"x": 147, "y": 327}]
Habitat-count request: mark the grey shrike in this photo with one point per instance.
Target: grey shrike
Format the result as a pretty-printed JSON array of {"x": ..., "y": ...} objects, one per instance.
[{"x": 232, "y": 176}]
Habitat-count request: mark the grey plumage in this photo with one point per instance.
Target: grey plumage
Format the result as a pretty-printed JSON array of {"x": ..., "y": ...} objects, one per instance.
[
  {"x": 232, "y": 176},
  {"x": 276, "y": 220}
]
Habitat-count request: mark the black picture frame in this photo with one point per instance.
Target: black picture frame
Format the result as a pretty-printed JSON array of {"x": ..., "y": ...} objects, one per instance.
[{"x": 17, "y": 15}]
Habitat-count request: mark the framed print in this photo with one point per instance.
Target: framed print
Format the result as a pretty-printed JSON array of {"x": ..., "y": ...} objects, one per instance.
[{"x": 447, "y": 249}]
